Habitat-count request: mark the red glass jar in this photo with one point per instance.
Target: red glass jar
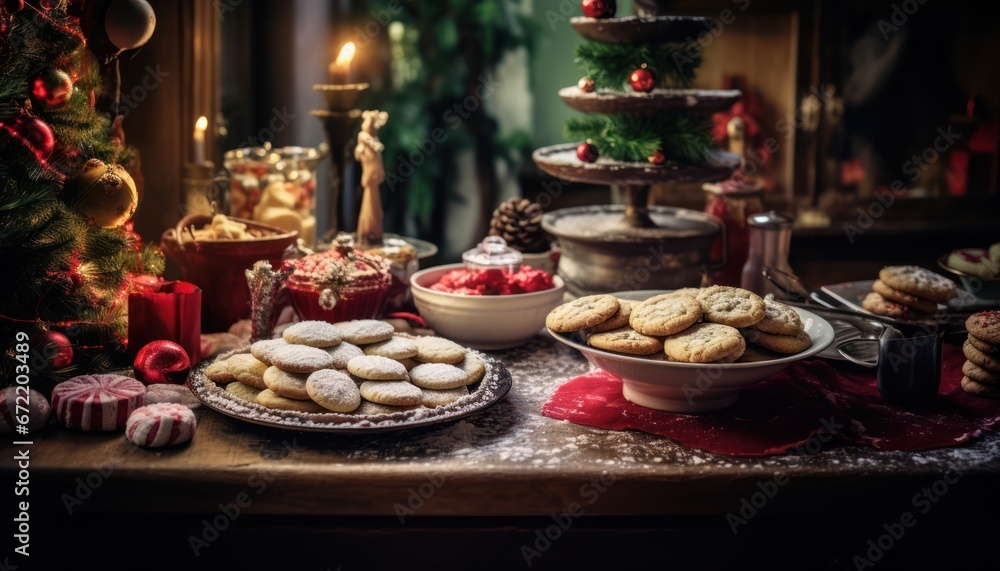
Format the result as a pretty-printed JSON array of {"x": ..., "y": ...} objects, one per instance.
[{"x": 732, "y": 201}]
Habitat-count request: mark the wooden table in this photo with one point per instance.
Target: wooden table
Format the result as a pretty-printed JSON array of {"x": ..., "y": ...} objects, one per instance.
[{"x": 490, "y": 484}]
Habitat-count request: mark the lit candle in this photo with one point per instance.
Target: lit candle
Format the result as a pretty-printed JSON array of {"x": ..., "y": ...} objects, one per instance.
[
  {"x": 199, "y": 140},
  {"x": 340, "y": 69}
]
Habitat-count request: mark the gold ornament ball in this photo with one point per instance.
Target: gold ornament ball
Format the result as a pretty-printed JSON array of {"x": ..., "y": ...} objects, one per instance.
[{"x": 104, "y": 194}]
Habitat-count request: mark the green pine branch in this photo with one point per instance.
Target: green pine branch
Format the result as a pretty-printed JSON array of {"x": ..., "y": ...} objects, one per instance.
[
  {"x": 631, "y": 137},
  {"x": 610, "y": 65}
]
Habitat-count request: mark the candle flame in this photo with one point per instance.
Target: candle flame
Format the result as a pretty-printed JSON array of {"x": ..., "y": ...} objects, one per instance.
[
  {"x": 346, "y": 54},
  {"x": 202, "y": 124}
]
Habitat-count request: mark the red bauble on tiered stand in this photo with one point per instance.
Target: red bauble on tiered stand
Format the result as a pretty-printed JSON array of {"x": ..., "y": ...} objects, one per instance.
[
  {"x": 587, "y": 152},
  {"x": 599, "y": 8},
  {"x": 642, "y": 80}
]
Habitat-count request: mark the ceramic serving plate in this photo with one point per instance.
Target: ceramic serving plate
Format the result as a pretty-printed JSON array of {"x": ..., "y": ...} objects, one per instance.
[
  {"x": 692, "y": 387},
  {"x": 484, "y": 394}
]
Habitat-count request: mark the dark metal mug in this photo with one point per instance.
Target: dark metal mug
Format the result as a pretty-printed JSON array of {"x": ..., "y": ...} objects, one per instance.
[{"x": 907, "y": 365}]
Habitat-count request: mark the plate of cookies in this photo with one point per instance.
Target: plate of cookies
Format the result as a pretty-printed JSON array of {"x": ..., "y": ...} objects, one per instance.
[
  {"x": 352, "y": 377},
  {"x": 691, "y": 350},
  {"x": 906, "y": 295}
]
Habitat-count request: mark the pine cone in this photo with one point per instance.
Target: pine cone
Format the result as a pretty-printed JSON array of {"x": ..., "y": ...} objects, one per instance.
[{"x": 519, "y": 222}]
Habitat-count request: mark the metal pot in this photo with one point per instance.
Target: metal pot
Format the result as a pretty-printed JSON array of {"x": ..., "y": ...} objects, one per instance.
[{"x": 601, "y": 253}]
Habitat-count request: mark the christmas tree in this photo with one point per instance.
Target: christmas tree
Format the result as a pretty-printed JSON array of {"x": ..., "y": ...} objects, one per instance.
[{"x": 69, "y": 251}]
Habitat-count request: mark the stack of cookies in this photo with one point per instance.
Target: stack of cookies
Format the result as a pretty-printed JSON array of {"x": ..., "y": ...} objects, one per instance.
[
  {"x": 908, "y": 292},
  {"x": 708, "y": 325},
  {"x": 982, "y": 351},
  {"x": 360, "y": 367}
]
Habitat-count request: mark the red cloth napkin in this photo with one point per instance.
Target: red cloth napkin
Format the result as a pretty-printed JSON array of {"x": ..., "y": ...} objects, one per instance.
[{"x": 809, "y": 398}]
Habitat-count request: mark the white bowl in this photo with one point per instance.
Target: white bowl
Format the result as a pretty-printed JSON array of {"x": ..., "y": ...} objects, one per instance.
[
  {"x": 692, "y": 387},
  {"x": 487, "y": 322}
]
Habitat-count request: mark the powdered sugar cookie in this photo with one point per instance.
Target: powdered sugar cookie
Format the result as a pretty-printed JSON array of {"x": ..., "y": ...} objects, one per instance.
[
  {"x": 434, "y": 398},
  {"x": 439, "y": 350},
  {"x": 397, "y": 348},
  {"x": 312, "y": 333},
  {"x": 177, "y": 394},
  {"x": 218, "y": 372},
  {"x": 333, "y": 390},
  {"x": 438, "y": 376},
  {"x": 474, "y": 367},
  {"x": 409, "y": 363},
  {"x": 626, "y": 340},
  {"x": 618, "y": 320},
  {"x": 247, "y": 370},
  {"x": 163, "y": 424},
  {"x": 262, "y": 350},
  {"x": 581, "y": 313},
  {"x": 365, "y": 331},
  {"x": 732, "y": 306},
  {"x": 243, "y": 392},
  {"x": 704, "y": 343},
  {"x": 779, "y": 319},
  {"x": 301, "y": 359},
  {"x": 285, "y": 384},
  {"x": 917, "y": 281},
  {"x": 343, "y": 353},
  {"x": 271, "y": 400},
  {"x": 395, "y": 393},
  {"x": 373, "y": 368},
  {"x": 665, "y": 314}
]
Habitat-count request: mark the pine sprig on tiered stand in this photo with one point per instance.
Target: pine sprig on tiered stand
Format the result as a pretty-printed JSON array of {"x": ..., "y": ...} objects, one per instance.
[
  {"x": 630, "y": 137},
  {"x": 610, "y": 65}
]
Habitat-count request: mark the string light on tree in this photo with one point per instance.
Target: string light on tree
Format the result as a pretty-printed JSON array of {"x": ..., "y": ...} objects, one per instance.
[{"x": 657, "y": 158}]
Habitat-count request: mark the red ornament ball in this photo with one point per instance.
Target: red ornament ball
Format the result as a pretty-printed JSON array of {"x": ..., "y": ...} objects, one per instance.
[
  {"x": 599, "y": 8},
  {"x": 52, "y": 89},
  {"x": 56, "y": 349},
  {"x": 162, "y": 362},
  {"x": 587, "y": 152},
  {"x": 642, "y": 80},
  {"x": 34, "y": 133},
  {"x": 586, "y": 85},
  {"x": 38, "y": 406},
  {"x": 657, "y": 158},
  {"x": 13, "y": 6}
]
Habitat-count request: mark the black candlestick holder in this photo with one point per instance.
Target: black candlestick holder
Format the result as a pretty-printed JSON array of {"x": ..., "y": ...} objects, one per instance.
[{"x": 340, "y": 120}]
